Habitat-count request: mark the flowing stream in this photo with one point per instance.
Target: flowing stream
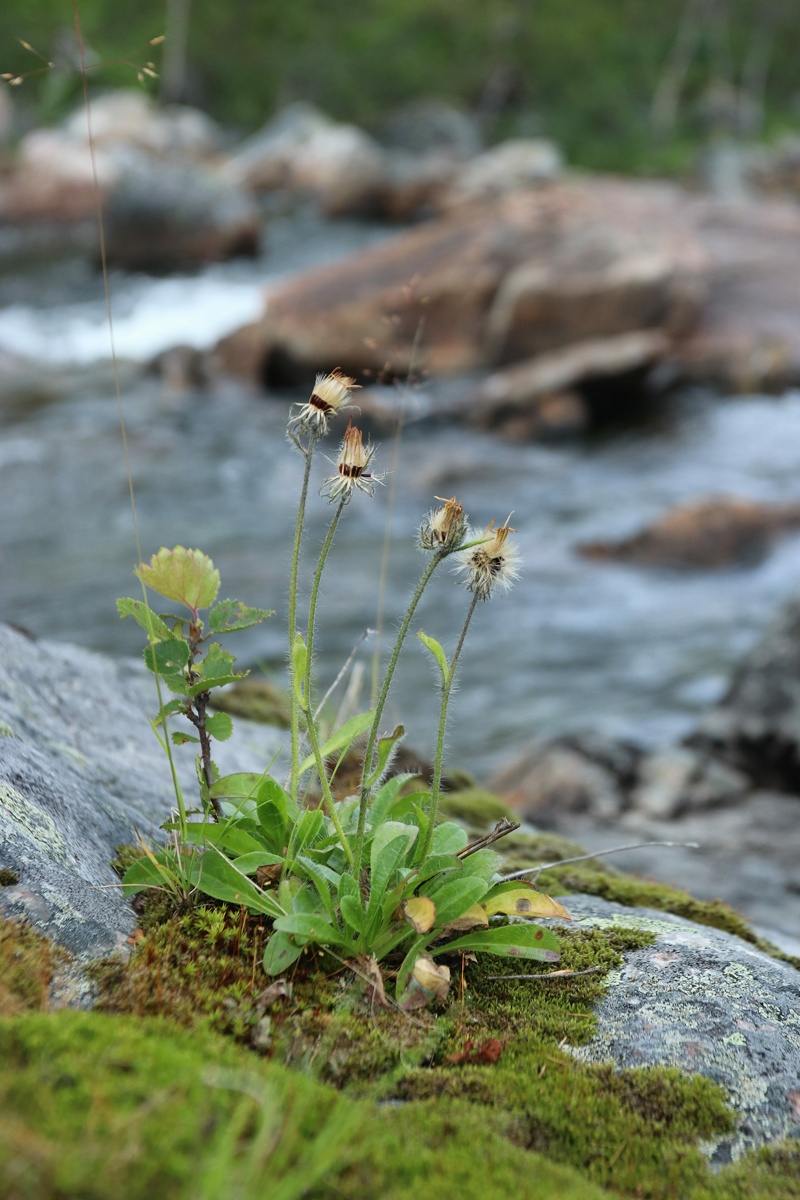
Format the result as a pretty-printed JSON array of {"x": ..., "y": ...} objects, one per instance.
[{"x": 576, "y": 644}]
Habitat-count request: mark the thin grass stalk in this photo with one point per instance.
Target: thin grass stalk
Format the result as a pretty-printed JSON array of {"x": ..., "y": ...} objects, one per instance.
[
  {"x": 387, "y": 682},
  {"x": 447, "y": 687}
]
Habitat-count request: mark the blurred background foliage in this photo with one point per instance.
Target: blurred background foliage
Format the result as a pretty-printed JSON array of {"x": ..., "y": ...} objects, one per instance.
[{"x": 585, "y": 73}]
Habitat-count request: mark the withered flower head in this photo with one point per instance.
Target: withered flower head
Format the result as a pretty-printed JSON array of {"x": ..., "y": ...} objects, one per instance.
[
  {"x": 492, "y": 564},
  {"x": 443, "y": 528},
  {"x": 330, "y": 393},
  {"x": 351, "y": 467}
]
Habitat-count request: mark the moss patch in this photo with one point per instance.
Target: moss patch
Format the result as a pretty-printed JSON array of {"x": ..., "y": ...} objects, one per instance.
[
  {"x": 476, "y": 808},
  {"x": 28, "y": 962}
]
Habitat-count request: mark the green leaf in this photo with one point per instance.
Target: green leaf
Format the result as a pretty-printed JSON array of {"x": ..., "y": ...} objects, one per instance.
[
  {"x": 390, "y": 846},
  {"x": 299, "y": 668},
  {"x": 325, "y": 881},
  {"x": 385, "y": 747},
  {"x": 308, "y": 828},
  {"x": 272, "y": 809},
  {"x": 454, "y": 895},
  {"x": 436, "y": 864},
  {"x": 219, "y": 725},
  {"x": 484, "y": 863},
  {"x": 151, "y": 870},
  {"x": 232, "y": 614},
  {"x": 312, "y": 927},
  {"x": 169, "y": 657},
  {"x": 187, "y": 576},
  {"x": 281, "y": 951},
  {"x": 350, "y": 903},
  {"x": 437, "y": 652},
  {"x": 171, "y": 708},
  {"x": 248, "y": 864},
  {"x": 156, "y": 629},
  {"x": 385, "y": 797},
  {"x": 228, "y": 837},
  {"x": 520, "y": 940},
  {"x": 449, "y": 838},
  {"x": 215, "y": 669},
  {"x": 342, "y": 739},
  {"x": 180, "y": 739},
  {"x": 215, "y": 876},
  {"x": 243, "y": 785}
]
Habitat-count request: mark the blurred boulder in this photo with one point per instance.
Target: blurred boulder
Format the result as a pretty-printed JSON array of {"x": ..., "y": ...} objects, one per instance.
[
  {"x": 160, "y": 217},
  {"x": 679, "y": 779},
  {"x": 431, "y": 127},
  {"x": 538, "y": 395},
  {"x": 574, "y": 774},
  {"x": 517, "y": 163},
  {"x": 756, "y": 726},
  {"x": 132, "y": 119},
  {"x": 530, "y": 272},
  {"x": 711, "y": 533},
  {"x": 302, "y": 150}
]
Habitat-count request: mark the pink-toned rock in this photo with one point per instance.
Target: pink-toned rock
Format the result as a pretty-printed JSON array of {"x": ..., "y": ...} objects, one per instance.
[
  {"x": 708, "y": 533},
  {"x": 533, "y": 271}
]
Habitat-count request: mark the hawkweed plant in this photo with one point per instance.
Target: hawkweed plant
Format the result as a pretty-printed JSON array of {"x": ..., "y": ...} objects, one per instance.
[{"x": 373, "y": 878}]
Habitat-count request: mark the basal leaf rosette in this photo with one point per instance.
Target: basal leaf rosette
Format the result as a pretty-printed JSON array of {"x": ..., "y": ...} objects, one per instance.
[{"x": 188, "y": 576}]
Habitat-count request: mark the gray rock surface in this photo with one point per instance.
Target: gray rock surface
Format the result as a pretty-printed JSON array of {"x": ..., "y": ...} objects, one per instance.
[
  {"x": 707, "y": 1002},
  {"x": 80, "y": 772}
]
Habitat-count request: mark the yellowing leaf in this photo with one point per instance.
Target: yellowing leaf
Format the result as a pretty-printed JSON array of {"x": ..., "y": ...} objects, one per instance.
[
  {"x": 525, "y": 901},
  {"x": 431, "y": 976},
  {"x": 187, "y": 576},
  {"x": 474, "y": 918},
  {"x": 420, "y": 912}
]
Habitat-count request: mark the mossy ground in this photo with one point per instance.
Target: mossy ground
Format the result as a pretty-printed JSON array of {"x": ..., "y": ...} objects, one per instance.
[{"x": 324, "y": 1096}]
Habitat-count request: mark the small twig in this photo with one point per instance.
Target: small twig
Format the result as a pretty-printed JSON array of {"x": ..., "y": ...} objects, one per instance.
[
  {"x": 557, "y": 975},
  {"x": 503, "y": 827},
  {"x": 597, "y": 854}
]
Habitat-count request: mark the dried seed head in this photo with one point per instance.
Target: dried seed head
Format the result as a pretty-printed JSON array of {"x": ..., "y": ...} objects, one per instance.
[
  {"x": 443, "y": 528},
  {"x": 492, "y": 564},
  {"x": 351, "y": 467},
  {"x": 330, "y": 393}
]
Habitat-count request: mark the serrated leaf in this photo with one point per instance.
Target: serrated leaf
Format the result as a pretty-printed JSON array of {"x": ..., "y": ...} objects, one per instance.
[
  {"x": 168, "y": 657},
  {"x": 523, "y": 900},
  {"x": 219, "y": 725},
  {"x": 420, "y": 912},
  {"x": 519, "y": 940},
  {"x": 215, "y": 669},
  {"x": 153, "y": 625},
  {"x": 170, "y": 709},
  {"x": 232, "y": 614},
  {"x": 187, "y": 576},
  {"x": 342, "y": 739},
  {"x": 438, "y": 653}
]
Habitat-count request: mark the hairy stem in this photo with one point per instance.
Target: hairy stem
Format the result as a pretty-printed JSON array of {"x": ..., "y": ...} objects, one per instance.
[
  {"x": 438, "y": 557},
  {"x": 447, "y": 687},
  {"x": 327, "y": 795},
  {"x": 294, "y": 701},
  {"x": 312, "y": 604}
]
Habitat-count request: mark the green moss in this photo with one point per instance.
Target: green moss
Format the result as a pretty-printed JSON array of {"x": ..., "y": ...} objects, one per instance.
[
  {"x": 97, "y": 1107},
  {"x": 28, "y": 962},
  {"x": 126, "y": 856},
  {"x": 8, "y": 877}
]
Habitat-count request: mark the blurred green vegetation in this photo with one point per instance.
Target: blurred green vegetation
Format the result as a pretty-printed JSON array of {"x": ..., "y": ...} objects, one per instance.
[{"x": 583, "y": 73}]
